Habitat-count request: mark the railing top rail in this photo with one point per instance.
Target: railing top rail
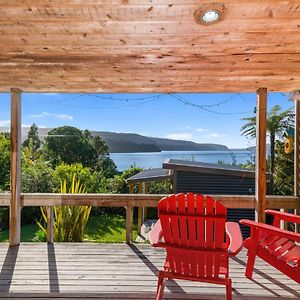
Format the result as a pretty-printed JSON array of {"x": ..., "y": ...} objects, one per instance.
[{"x": 140, "y": 200}]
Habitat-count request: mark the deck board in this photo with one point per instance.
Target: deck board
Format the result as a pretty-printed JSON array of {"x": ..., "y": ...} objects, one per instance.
[{"x": 120, "y": 271}]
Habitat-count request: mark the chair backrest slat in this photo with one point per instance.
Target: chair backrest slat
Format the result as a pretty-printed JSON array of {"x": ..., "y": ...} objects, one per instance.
[
  {"x": 209, "y": 238},
  {"x": 183, "y": 226},
  {"x": 200, "y": 223},
  {"x": 191, "y": 222},
  {"x": 220, "y": 225}
]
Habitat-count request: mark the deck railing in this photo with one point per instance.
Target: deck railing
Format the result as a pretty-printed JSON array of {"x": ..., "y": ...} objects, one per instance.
[{"x": 129, "y": 201}]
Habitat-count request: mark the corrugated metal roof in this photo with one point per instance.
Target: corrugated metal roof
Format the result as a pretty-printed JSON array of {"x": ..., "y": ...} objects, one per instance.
[{"x": 151, "y": 175}]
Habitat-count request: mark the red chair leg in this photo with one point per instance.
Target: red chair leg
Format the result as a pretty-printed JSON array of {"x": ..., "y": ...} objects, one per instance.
[
  {"x": 160, "y": 286},
  {"x": 229, "y": 290},
  {"x": 250, "y": 264}
]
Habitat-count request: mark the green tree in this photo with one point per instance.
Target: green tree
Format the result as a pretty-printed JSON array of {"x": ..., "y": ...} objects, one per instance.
[
  {"x": 69, "y": 145},
  {"x": 4, "y": 161},
  {"x": 33, "y": 139},
  {"x": 277, "y": 122}
]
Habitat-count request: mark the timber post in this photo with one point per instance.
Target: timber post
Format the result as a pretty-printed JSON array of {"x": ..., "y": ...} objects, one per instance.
[
  {"x": 261, "y": 154},
  {"x": 140, "y": 211},
  {"x": 50, "y": 224},
  {"x": 15, "y": 169},
  {"x": 296, "y": 155},
  {"x": 129, "y": 221}
]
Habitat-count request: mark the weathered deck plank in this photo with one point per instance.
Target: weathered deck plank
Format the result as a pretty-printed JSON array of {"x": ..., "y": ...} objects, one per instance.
[{"x": 119, "y": 271}]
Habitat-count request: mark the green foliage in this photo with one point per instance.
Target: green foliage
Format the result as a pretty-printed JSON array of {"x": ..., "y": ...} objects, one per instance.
[
  {"x": 277, "y": 122},
  {"x": 37, "y": 174},
  {"x": 33, "y": 141},
  {"x": 117, "y": 185},
  {"x": 4, "y": 162},
  {"x": 65, "y": 172},
  {"x": 284, "y": 171},
  {"x": 131, "y": 171},
  {"x": 160, "y": 187},
  {"x": 69, "y": 221},
  {"x": 70, "y": 145},
  {"x": 40, "y": 236},
  {"x": 4, "y": 217}
]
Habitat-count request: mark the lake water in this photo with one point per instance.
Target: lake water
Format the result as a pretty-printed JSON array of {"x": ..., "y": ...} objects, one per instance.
[{"x": 148, "y": 160}]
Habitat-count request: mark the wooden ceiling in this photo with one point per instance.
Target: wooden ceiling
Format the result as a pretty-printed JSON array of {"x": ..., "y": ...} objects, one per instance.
[{"x": 112, "y": 46}]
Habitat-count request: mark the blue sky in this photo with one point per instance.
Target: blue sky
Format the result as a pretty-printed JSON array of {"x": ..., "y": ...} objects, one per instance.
[{"x": 203, "y": 118}]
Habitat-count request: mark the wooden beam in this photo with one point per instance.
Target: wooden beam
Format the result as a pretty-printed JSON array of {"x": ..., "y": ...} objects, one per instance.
[
  {"x": 137, "y": 200},
  {"x": 261, "y": 160},
  {"x": 15, "y": 169},
  {"x": 297, "y": 156}
]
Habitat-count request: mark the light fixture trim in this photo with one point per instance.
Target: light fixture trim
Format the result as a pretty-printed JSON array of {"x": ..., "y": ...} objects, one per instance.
[{"x": 210, "y": 13}]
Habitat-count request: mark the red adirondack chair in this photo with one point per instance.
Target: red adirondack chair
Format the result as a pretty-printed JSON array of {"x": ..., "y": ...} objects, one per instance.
[
  {"x": 192, "y": 230},
  {"x": 276, "y": 246}
]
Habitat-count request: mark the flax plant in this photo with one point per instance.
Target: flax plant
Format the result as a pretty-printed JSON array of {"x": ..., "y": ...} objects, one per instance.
[{"x": 69, "y": 221}]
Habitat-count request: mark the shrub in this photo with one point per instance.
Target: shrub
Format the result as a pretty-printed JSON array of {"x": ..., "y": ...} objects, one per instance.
[{"x": 69, "y": 221}]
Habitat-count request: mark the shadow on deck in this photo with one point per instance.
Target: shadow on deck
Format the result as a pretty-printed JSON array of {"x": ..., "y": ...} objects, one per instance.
[{"x": 120, "y": 271}]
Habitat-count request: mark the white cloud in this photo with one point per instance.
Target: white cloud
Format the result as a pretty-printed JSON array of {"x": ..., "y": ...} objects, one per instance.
[
  {"x": 64, "y": 117},
  {"x": 216, "y": 135},
  {"x": 179, "y": 136},
  {"x": 202, "y": 129},
  {"x": 57, "y": 116},
  {"x": 4, "y": 123},
  {"x": 25, "y": 125}
]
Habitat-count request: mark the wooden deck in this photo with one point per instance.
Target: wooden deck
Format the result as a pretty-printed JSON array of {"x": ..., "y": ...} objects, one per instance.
[{"x": 119, "y": 271}]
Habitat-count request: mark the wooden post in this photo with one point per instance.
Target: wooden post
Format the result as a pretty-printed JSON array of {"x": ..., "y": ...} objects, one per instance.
[
  {"x": 15, "y": 169},
  {"x": 50, "y": 215},
  {"x": 261, "y": 160},
  {"x": 129, "y": 218},
  {"x": 296, "y": 156},
  {"x": 145, "y": 191},
  {"x": 131, "y": 188},
  {"x": 140, "y": 211}
]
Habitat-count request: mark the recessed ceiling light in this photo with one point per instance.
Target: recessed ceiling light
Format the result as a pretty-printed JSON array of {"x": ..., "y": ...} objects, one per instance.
[
  {"x": 210, "y": 16},
  {"x": 210, "y": 13}
]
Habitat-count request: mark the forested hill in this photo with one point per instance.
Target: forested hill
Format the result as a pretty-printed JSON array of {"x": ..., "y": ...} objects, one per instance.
[{"x": 131, "y": 142}]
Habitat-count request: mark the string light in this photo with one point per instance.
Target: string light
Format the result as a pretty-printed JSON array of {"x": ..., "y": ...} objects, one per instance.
[
  {"x": 204, "y": 107},
  {"x": 147, "y": 99}
]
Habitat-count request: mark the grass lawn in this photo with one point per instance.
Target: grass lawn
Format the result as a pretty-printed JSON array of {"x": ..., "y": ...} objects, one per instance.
[{"x": 100, "y": 229}]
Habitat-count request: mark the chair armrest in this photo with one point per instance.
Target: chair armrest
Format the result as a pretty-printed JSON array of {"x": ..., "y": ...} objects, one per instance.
[
  {"x": 284, "y": 216},
  {"x": 272, "y": 230},
  {"x": 234, "y": 235},
  {"x": 156, "y": 234}
]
